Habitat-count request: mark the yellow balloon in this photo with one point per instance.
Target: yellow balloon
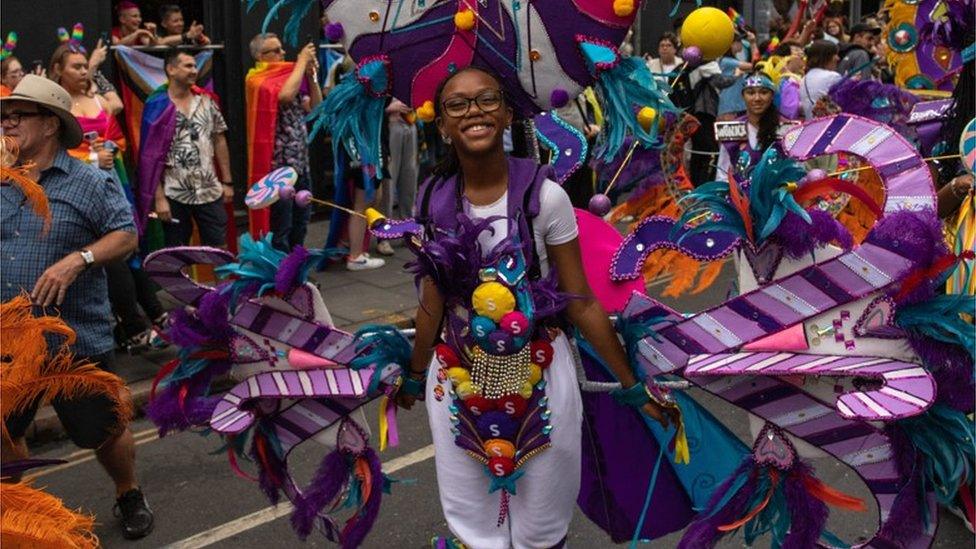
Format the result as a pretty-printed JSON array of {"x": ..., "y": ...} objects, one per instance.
[
  {"x": 710, "y": 29},
  {"x": 493, "y": 300},
  {"x": 458, "y": 375}
]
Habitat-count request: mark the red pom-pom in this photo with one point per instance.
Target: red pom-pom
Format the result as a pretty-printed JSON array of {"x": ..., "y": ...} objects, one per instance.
[
  {"x": 478, "y": 404},
  {"x": 501, "y": 466},
  {"x": 542, "y": 353},
  {"x": 513, "y": 405},
  {"x": 446, "y": 356}
]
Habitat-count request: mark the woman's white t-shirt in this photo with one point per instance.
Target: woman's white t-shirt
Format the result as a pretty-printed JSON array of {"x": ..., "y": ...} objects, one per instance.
[
  {"x": 555, "y": 224},
  {"x": 815, "y": 85}
]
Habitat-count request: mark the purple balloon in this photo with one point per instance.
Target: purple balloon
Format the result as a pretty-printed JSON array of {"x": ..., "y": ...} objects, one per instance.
[
  {"x": 286, "y": 192},
  {"x": 334, "y": 32},
  {"x": 692, "y": 55},
  {"x": 600, "y": 205},
  {"x": 303, "y": 198}
]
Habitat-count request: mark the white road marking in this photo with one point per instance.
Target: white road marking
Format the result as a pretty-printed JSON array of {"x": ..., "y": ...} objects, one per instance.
[{"x": 264, "y": 516}]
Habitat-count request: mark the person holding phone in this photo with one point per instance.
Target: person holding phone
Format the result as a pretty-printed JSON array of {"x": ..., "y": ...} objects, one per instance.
[{"x": 282, "y": 93}]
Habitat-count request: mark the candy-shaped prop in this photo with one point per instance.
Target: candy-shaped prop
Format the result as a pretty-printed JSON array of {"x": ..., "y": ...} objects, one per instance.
[
  {"x": 708, "y": 29},
  {"x": 301, "y": 379},
  {"x": 278, "y": 184},
  {"x": 808, "y": 307}
]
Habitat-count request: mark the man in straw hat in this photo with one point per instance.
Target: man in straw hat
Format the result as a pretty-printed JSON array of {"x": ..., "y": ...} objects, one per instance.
[{"x": 60, "y": 267}]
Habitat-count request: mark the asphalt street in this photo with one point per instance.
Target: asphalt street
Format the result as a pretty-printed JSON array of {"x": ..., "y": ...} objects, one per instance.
[{"x": 200, "y": 502}]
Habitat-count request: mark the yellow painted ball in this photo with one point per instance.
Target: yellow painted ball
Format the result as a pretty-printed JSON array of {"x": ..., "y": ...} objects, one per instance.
[
  {"x": 493, "y": 300},
  {"x": 535, "y": 373},
  {"x": 645, "y": 117},
  {"x": 464, "y": 19},
  {"x": 710, "y": 29},
  {"x": 426, "y": 112},
  {"x": 526, "y": 391},
  {"x": 458, "y": 375},
  {"x": 623, "y": 8}
]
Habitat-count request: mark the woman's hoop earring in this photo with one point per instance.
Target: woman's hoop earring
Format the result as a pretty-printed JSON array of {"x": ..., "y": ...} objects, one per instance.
[{"x": 446, "y": 139}]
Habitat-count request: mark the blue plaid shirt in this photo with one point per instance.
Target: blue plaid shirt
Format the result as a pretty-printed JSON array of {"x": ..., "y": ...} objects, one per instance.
[{"x": 86, "y": 204}]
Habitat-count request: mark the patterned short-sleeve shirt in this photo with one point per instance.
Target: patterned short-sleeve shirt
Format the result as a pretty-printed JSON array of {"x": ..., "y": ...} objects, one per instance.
[
  {"x": 291, "y": 135},
  {"x": 190, "y": 177},
  {"x": 86, "y": 204}
]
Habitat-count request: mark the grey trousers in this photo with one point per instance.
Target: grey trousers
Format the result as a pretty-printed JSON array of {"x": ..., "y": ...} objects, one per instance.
[{"x": 403, "y": 170}]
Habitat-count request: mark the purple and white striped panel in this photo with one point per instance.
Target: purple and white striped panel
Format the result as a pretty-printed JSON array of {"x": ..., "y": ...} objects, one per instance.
[
  {"x": 907, "y": 390},
  {"x": 308, "y": 336},
  {"x": 165, "y": 267},
  {"x": 232, "y": 416},
  {"x": 906, "y": 178},
  {"x": 856, "y": 443}
]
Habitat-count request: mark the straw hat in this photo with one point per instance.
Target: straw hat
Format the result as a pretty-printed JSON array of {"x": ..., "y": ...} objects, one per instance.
[{"x": 54, "y": 98}]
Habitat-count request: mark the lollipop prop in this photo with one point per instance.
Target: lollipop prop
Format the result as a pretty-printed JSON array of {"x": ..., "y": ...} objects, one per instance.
[{"x": 600, "y": 204}]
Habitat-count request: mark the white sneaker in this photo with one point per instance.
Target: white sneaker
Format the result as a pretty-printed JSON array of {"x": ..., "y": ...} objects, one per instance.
[
  {"x": 384, "y": 247},
  {"x": 364, "y": 263}
]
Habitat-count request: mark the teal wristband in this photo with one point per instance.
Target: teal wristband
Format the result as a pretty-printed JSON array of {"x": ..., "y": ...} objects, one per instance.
[
  {"x": 634, "y": 396},
  {"x": 413, "y": 387}
]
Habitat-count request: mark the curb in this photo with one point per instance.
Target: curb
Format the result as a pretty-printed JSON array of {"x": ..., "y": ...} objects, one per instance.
[{"x": 46, "y": 426}]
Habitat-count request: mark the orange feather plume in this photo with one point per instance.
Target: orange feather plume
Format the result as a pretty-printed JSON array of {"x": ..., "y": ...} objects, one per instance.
[
  {"x": 32, "y": 518},
  {"x": 19, "y": 177}
]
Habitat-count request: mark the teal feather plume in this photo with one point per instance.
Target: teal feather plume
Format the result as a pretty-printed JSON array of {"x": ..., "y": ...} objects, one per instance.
[
  {"x": 257, "y": 264},
  {"x": 940, "y": 318},
  {"x": 380, "y": 345},
  {"x": 633, "y": 330},
  {"x": 626, "y": 88},
  {"x": 944, "y": 436}
]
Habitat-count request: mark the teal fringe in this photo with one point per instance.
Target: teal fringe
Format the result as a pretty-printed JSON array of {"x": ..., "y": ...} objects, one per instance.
[
  {"x": 299, "y": 11},
  {"x": 944, "y": 437},
  {"x": 257, "y": 263},
  {"x": 939, "y": 318},
  {"x": 354, "y": 117},
  {"x": 384, "y": 345},
  {"x": 625, "y": 89},
  {"x": 769, "y": 200},
  {"x": 633, "y": 330}
]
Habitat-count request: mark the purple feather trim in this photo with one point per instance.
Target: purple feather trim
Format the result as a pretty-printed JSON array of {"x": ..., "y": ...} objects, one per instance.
[
  {"x": 808, "y": 515},
  {"x": 905, "y": 521},
  {"x": 272, "y": 472},
  {"x": 330, "y": 478},
  {"x": 208, "y": 327},
  {"x": 290, "y": 269},
  {"x": 800, "y": 238},
  {"x": 546, "y": 297},
  {"x": 166, "y": 413},
  {"x": 360, "y": 524},
  {"x": 915, "y": 235},
  {"x": 863, "y": 97},
  {"x": 704, "y": 532},
  {"x": 951, "y": 367},
  {"x": 453, "y": 261}
]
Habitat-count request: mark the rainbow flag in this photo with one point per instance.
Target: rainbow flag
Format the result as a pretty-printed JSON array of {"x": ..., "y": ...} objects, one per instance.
[
  {"x": 736, "y": 17},
  {"x": 261, "y": 87},
  {"x": 140, "y": 74}
]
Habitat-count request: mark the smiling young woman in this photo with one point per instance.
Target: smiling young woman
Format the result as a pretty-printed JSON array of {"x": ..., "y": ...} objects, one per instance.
[{"x": 503, "y": 361}]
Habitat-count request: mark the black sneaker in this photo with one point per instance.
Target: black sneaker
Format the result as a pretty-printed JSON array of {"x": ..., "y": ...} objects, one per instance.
[{"x": 134, "y": 514}]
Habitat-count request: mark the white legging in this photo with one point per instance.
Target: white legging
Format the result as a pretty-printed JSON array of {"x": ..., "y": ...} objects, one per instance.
[{"x": 540, "y": 512}]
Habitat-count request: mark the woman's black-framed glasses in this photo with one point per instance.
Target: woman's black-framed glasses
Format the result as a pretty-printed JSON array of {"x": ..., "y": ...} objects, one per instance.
[{"x": 488, "y": 101}]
